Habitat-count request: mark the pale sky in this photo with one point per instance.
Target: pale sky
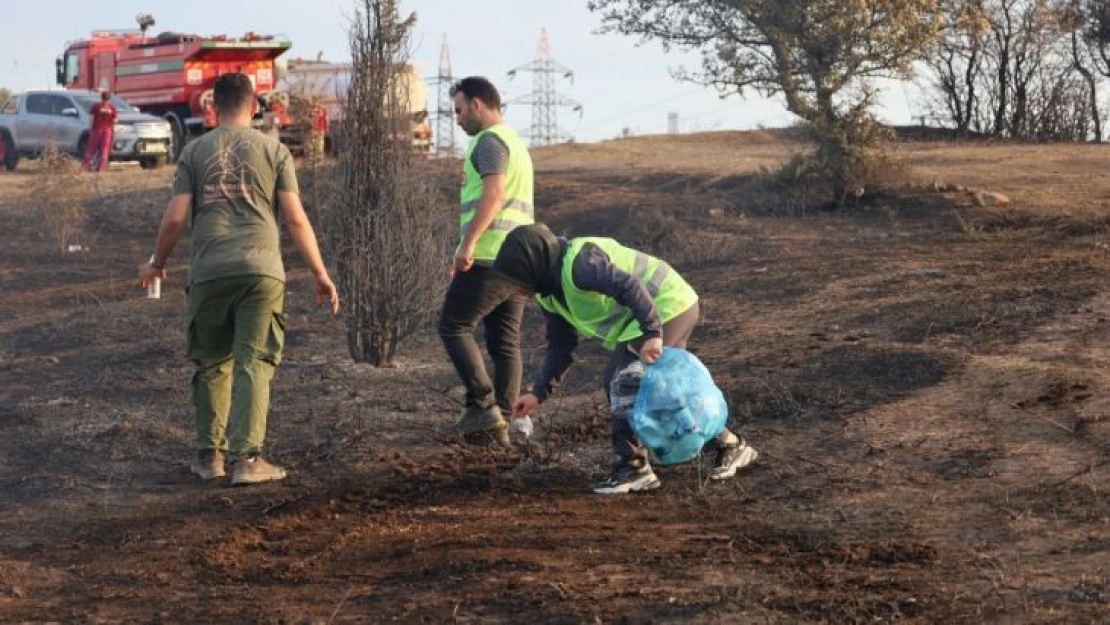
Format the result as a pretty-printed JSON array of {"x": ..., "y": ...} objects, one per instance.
[{"x": 619, "y": 84}]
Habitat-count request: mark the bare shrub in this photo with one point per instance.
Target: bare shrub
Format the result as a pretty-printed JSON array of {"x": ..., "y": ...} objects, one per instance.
[
  {"x": 859, "y": 159},
  {"x": 387, "y": 221},
  {"x": 60, "y": 190}
]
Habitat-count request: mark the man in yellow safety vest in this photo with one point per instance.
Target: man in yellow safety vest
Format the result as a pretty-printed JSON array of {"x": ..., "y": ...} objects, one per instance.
[
  {"x": 497, "y": 196},
  {"x": 634, "y": 304}
]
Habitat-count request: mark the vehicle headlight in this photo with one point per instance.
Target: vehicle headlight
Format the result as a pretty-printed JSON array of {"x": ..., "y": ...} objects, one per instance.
[{"x": 124, "y": 130}]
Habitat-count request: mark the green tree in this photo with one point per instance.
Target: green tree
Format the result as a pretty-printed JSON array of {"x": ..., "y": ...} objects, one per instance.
[{"x": 819, "y": 55}]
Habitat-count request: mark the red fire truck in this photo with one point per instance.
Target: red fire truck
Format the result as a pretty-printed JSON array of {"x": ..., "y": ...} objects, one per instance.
[{"x": 172, "y": 74}]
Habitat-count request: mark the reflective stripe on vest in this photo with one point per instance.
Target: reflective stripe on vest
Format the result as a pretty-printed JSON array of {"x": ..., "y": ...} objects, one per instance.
[
  {"x": 599, "y": 315},
  {"x": 517, "y": 206},
  {"x": 622, "y": 315}
]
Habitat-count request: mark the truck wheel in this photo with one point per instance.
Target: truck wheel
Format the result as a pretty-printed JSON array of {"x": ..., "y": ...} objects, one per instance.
[
  {"x": 82, "y": 147},
  {"x": 177, "y": 136},
  {"x": 7, "y": 153},
  {"x": 153, "y": 162}
]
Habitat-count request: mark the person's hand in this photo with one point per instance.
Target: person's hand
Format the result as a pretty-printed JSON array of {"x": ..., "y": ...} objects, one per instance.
[
  {"x": 464, "y": 257},
  {"x": 651, "y": 350},
  {"x": 326, "y": 292},
  {"x": 149, "y": 273},
  {"x": 525, "y": 405}
]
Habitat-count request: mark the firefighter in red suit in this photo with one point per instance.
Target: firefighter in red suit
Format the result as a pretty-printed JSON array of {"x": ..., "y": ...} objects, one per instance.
[
  {"x": 103, "y": 132},
  {"x": 320, "y": 123}
]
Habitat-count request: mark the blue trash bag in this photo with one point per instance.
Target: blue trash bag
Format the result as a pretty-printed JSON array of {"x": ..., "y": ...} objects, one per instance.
[{"x": 678, "y": 407}]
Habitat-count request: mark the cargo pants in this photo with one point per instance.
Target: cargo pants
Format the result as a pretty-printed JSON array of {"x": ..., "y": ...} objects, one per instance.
[{"x": 235, "y": 339}]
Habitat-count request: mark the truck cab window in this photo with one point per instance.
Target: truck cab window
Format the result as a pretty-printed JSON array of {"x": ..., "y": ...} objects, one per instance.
[
  {"x": 39, "y": 104},
  {"x": 73, "y": 63},
  {"x": 58, "y": 104}
]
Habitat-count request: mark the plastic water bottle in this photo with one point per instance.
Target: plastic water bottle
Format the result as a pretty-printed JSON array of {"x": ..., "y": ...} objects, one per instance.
[
  {"x": 154, "y": 289},
  {"x": 523, "y": 426}
]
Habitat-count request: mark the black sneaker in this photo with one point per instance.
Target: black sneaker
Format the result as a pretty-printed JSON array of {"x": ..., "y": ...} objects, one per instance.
[
  {"x": 627, "y": 479},
  {"x": 732, "y": 458}
]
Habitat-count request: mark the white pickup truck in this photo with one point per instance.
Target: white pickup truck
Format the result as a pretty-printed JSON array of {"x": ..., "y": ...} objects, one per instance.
[{"x": 35, "y": 119}]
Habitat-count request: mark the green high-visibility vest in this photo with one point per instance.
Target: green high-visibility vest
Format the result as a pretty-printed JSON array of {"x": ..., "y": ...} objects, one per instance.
[
  {"x": 600, "y": 316},
  {"x": 517, "y": 206}
]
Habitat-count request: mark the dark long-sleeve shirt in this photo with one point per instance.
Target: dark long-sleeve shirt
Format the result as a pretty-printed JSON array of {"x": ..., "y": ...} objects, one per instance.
[{"x": 592, "y": 271}]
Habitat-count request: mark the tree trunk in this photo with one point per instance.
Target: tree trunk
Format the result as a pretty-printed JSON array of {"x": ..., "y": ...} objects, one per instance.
[
  {"x": 1092, "y": 86},
  {"x": 969, "y": 81},
  {"x": 1003, "y": 105}
]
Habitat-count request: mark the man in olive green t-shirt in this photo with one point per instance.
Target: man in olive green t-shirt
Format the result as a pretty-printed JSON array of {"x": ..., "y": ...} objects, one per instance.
[{"x": 226, "y": 187}]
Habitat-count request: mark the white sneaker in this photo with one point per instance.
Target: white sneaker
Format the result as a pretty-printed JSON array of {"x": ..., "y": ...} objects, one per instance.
[
  {"x": 255, "y": 470},
  {"x": 732, "y": 458},
  {"x": 208, "y": 465}
]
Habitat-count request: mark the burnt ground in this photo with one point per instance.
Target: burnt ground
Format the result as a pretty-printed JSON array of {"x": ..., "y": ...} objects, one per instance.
[{"x": 925, "y": 379}]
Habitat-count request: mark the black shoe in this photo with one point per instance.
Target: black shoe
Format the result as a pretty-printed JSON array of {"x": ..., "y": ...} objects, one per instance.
[{"x": 627, "y": 479}]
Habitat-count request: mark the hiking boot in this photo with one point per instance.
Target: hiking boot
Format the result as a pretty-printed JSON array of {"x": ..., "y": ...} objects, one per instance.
[
  {"x": 498, "y": 437},
  {"x": 627, "y": 479},
  {"x": 208, "y": 465},
  {"x": 731, "y": 458},
  {"x": 255, "y": 470},
  {"x": 478, "y": 426}
]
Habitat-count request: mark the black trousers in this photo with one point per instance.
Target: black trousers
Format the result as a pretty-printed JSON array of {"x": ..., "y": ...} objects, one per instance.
[{"x": 474, "y": 296}]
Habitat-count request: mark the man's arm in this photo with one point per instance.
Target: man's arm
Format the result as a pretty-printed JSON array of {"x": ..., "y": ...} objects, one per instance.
[
  {"x": 304, "y": 237},
  {"x": 562, "y": 340},
  {"x": 489, "y": 204},
  {"x": 493, "y": 197},
  {"x": 593, "y": 271},
  {"x": 491, "y": 160},
  {"x": 169, "y": 231},
  {"x": 173, "y": 224},
  {"x": 301, "y": 231}
]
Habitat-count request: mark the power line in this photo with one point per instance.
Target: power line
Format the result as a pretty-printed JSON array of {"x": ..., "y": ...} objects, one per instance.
[{"x": 641, "y": 109}]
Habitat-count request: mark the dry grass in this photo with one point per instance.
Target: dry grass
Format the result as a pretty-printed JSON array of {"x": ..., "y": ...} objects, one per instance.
[
  {"x": 1064, "y": 179},
  {"x": 61, "y": 188}
]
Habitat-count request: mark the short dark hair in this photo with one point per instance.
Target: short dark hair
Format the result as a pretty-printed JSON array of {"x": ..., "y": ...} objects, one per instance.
[
  {"x": 478, "y": 88},
  {"x": 232, "y": 92},
  {"x": 105, "y": 96}
]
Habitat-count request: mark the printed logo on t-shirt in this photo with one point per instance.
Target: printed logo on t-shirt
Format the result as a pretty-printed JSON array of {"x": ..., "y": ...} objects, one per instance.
[{"x": 227, "y": 174}]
